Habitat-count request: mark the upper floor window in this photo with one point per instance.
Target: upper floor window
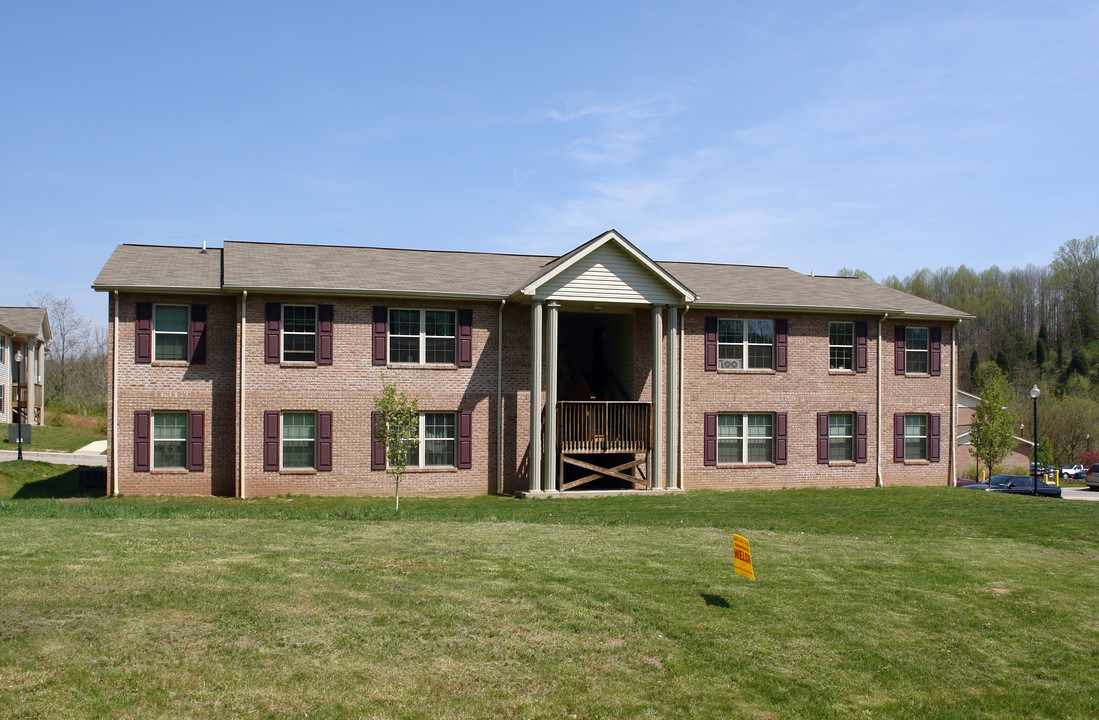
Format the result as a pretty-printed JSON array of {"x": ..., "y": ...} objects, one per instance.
[
  {"x": 299, "y": 333},
  {"x": 424, "y": 337},
  {"x": 841, "y": 346},
  {"x": 745, "y": 437},
  {"x": 745, "y": 344},
  {"x": 916, "y": 350},
  {"x": 169, "y": 440},
  {"x": 171, "y": 336}
]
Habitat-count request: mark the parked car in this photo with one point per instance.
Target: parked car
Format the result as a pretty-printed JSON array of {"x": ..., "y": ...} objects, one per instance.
[
  {"x": 1017, "y": 485},
  {"x": 1074, "y": 472},
  {"x": 1092, "y": 477}
]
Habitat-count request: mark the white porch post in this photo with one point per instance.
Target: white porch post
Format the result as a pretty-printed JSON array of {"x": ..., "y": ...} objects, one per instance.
[
  {"x": 535, "y": 453},
  {"x": 30, "y": 357},
  {"x": 658, "y": 413},
  {"x": 551, "y": 399},
  {"x": 672, "y": 480}
]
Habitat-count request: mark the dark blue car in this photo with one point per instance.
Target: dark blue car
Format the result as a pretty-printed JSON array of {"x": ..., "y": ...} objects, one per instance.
[{"x": 1016, "y": 485}]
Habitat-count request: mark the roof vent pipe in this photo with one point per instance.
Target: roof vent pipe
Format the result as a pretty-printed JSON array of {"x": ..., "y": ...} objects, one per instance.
[{"x": 203, "y": 247}]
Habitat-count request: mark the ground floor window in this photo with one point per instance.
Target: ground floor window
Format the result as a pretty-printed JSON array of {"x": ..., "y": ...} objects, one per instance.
[
  {"x": 915, "y": 437},
  {"x": 169, "y": 440},
  {"x": 299, "y": 437},
  {"x": 436, "y": 442},
  {"x": 745, "y": 437},
  {"x": 841, "y": 436}
]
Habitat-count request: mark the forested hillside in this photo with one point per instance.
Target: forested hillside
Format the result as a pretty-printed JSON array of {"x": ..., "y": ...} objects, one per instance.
[{"x": 1039, "y": 325}]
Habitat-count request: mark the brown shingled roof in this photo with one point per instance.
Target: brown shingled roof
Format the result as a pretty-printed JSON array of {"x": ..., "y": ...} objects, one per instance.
[
  {"x": 159, "y": 266},
  {"x": 28, "y": 321},
  {"x": 391, "y": 271}
]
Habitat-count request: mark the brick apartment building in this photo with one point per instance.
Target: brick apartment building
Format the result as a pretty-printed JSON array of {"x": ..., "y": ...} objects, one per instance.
[{"x": 251, "y": 370}]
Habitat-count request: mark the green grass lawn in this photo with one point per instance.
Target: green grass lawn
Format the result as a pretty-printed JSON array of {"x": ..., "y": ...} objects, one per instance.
[
  {"x": 59, "y": 439},
  {"x": 883, "y": 603}
]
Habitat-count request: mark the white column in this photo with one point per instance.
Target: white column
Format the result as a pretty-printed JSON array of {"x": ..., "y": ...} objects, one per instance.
[
  {"x": 672, "y": 480},
  {"x": 655, "y": 471},
  {"x": 551, "y": 398},
  {"x": 30, "y": 373},
  {"x": 534, "y": 456}
]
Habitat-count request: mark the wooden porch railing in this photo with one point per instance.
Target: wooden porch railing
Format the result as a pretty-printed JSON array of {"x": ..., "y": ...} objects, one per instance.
[{"x": 594, "y": 427}]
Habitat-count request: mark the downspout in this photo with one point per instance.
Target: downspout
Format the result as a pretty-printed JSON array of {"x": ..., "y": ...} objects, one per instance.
[
  {"x": 500, "y": 398},
  {"x": 953, "y": 482},
  {"x": 240, "y": 411},
  {"x": 880, "y": 479},
  {"x": 682, "y": 335},
  {"x": 114, "y": 401}
]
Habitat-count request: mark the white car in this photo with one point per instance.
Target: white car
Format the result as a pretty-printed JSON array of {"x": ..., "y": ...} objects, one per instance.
[{"x": 1074, "y": 472}]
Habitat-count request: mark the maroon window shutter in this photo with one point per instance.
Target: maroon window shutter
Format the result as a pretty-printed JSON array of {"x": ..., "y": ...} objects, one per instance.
[
  {"x": 465, "y": 440},
  {"x": 465, "y": 338},
  {"x": 272, "y": 342},
  {"x": 898, "y": 350},
  {"x": 711, "y": 344},
  {"x": 860, "y": 346},
  {"x": 324, "y": 441},
  {"x": 381, "y": 322},
  {"x": 860, "y": 437},
  {"x": 377, "y": 446},
  {"x": 198, "y": 334},
  {"x": 936, "y": 350},
  {"x": 143, "y": 340},
  {"x": 780, "y": 438},
  {"x": 142, "y": 420},
  {"x": 898, "y": 437},
  {"x": 271, "y": 440},
  {"x": 709, "y": 451},
  {"x": 933, "y": 437},
  {"x": 780, "y": 345},
  {"x": 196, "y": 441},
  {"x": 325, "y": 316},
  {"x": 822, "y": 437}
]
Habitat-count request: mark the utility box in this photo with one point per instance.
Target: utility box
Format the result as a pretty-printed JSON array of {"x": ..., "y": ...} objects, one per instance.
[{"x": 13, "y": 433}]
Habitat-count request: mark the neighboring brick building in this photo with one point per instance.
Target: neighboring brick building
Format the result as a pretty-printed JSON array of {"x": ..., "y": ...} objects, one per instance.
[{"x": 251, "y": 370}]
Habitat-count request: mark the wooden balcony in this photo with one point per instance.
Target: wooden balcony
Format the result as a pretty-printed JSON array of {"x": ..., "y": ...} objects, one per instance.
[{"x": 603, "y": 427}]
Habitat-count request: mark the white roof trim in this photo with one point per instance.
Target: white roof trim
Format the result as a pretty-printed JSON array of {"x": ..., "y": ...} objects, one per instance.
[{"x": 598, "y": 242}]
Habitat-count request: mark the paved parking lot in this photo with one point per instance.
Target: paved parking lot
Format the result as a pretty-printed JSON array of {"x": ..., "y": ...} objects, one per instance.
[{"x": 1079, "y": 494}]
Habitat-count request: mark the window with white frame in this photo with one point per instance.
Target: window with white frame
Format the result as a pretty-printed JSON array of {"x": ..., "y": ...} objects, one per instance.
[
  {"x": 916, "y": 350},
  {"x": 915, "y": 437},
  {"x": 745, "y": 435},
  {"x": 169, "y": 440},
  {"x": 745, "y": 344},
  {"x": 299, "y": 438},
  {"x": 841, "y": 436},
  {"x": 436, "y": 444},
  {"x": 170, "y": 332},
  {"x": 299, "y": 333},
  {"x": 841, "y": 346},
  {"x": 423, "y": 337}
]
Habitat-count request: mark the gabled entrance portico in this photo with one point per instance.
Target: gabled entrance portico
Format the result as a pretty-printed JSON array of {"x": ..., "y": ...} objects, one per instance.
[{"x": 594, "y": 427}]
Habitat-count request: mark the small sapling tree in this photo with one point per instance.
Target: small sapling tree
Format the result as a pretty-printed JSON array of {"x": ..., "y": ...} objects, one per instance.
[
  {"x": 992, "y": 429},
  {"x": 399, "y": 429}
]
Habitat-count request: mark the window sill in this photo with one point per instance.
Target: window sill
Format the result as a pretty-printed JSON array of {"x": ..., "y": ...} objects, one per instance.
[
  {"x": 835, "y": 371},
  {"x": 439, "y": 469},
  {"x": 747, "y": 371},
  {"x": 842, "y": 463},
  {"x": 421, "y": 366},
  {"x": 917, "y": 375},
  {"x": 298, "y": 364},
  {"x": 917, "y": 462},
  {"x": 745, "y": 466},
  {"x": 297, "y": 471},
  {"x": 169, "y": 471},
  {"x": 169, "y": 363}
]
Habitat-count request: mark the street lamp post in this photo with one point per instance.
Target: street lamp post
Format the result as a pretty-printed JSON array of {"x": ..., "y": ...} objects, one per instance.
[
  {"x": 1034, "y": 393},
  {"x": 1088, "y": 438},
  {"x": 19, "y": 411}
]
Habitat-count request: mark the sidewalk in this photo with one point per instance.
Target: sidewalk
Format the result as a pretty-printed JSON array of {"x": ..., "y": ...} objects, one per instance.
[{"x": 89, "y": 455}]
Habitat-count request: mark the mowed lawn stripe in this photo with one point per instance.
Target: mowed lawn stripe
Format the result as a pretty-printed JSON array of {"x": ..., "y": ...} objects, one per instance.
[{"x": 202, "y": 617}]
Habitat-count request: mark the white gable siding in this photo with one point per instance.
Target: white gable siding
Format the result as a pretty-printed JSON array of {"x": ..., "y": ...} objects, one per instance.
[{"x": 610, "y": 275}]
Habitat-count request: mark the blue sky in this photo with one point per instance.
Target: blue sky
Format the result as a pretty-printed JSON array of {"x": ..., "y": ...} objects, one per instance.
[{"x": 883, "y": 136}]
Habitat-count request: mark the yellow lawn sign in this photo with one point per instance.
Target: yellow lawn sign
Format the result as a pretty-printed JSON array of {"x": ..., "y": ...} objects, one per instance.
[{"x": 742, "y": 557}]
